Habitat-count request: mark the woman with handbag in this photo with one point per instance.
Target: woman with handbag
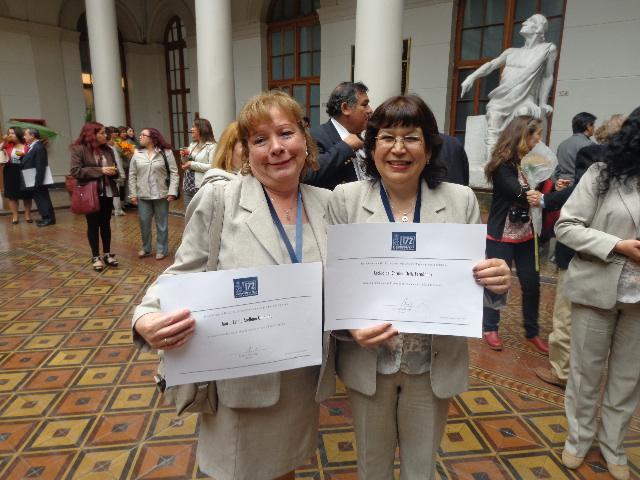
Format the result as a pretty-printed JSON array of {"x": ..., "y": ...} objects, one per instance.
[
  {"x": 12, "y": 149},
  {"x": 94, "y": 168},
  {"x": 510, "y": 234},
  {"x": 260, "y": 427},
  {"x": 153, "y": 184},
  {"x": 197, "y": 158}
]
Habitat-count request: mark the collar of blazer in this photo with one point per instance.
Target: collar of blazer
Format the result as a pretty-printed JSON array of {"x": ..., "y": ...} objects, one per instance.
[
  {"x": 631, "y": 199},
  {"x": 261, "y": 224},
  {"x": 431, "y": 211}
]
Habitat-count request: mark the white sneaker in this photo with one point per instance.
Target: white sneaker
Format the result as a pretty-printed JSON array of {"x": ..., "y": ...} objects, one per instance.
[{"x": 119, "y": 213}]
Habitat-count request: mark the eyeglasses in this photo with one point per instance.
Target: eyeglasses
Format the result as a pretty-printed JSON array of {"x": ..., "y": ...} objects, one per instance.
[{"x": 409, "y": 141}]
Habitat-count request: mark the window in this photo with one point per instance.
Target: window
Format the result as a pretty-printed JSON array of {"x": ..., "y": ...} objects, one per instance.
[
  {"x": 294, "y": 52},
  {"x": 406, "y": 54},
  {"x": 178, "y": 91},
  {"x": 87, "y": 77},
  {"x": 484, "y": 29}
]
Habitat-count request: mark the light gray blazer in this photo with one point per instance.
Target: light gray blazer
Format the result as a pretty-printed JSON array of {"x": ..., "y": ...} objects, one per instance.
[
  {"x": 359, "y": 202},
  {"x": 592, "y": 224},
  {"x": 248, "y": 228}
]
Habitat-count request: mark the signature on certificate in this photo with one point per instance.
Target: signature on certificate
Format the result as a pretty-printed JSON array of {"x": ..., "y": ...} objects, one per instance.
[
  {"x": 250, "y": 352},
  {"x": 406, "y": 306}
]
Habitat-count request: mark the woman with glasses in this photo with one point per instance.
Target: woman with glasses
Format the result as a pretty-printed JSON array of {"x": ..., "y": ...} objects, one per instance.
[
  {"x": 510, "y": 234},
  {"x": 197, "y": 158},
  {"x": 400, "y": 385},
  {"x": 153, "y": 184}
]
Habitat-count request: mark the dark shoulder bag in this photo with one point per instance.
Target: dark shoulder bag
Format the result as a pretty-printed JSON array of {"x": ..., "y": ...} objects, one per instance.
[{"x": 167, "y": 180}]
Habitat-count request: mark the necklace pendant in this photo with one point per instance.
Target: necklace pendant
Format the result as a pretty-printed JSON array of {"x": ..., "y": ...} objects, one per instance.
[
  {"x": 287, "y": 216},
  {"x": 404, "y": 218}
]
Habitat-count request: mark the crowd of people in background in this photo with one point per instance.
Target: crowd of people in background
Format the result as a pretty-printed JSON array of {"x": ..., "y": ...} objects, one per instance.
[{"x": 596, "y": 314}]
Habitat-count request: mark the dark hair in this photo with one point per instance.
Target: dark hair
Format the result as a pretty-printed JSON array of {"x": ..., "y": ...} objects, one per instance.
[
  {"x": 110, "y": 131},
  {"x": 512, "y": 143},
  {"x": 344, "y": 92},
  {"x": 18, "y": 132},
  {"x": 87, "y": 136},
  {"x": 622, "y": 154},
  {"x": 35, "y": 132},
  {"x": 204, "y": 129},
  {"x": 581, "y": 122},
  {"x": 157, "y": 139},
  {"x": 407, "y": 111}
]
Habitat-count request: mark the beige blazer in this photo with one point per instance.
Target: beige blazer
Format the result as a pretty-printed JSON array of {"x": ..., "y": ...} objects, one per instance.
[
  {"x": 144, "y": 170},
  {"x": 248, "y": 229},
  {"x": 359, "y": 202},
  {"x": 592, "y": 224}
]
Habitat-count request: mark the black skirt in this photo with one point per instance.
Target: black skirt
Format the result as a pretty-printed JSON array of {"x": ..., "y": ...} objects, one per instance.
[{"x": 13, "y": 183}]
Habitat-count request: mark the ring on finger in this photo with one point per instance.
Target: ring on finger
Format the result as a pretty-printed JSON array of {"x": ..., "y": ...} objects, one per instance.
[{"x": 165, "y": 341}]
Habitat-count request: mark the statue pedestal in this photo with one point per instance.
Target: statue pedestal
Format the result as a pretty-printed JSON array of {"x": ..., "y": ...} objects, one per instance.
[{"x": 474, "y": 145}]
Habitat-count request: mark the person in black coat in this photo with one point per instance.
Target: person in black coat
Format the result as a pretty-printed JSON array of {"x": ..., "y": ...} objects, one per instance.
[
  {"x": 339, "y": 140},
  {"x": 37, "y": 158},
  {"x": 452, "y": 154},
  {"x": 510, "y": 234}
]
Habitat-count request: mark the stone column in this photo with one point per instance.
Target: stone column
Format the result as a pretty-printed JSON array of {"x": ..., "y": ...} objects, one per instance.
[
  {"x": 379, "y": 47},
  {"x": 216, "y": 90},
  {"x": 105, "y": 62}
]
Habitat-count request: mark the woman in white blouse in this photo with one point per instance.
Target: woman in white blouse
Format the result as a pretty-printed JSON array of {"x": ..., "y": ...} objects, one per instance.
[
  {"x": 153, "y": 184},
  {"x": 197, "y": 158}
]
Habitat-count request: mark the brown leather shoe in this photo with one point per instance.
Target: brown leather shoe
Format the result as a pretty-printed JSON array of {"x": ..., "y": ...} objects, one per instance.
[
  {"x": 546, "y": 374},
  {"x": 493, "y": 340},
  {"x": 539, "y": 344}
]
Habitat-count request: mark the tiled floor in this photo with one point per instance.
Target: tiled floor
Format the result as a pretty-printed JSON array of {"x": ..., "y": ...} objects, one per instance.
[{"x": 77, "y": 401}]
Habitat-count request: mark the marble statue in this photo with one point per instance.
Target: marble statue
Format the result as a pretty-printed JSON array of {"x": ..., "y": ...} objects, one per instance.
[{"x": 525, "y": 82}]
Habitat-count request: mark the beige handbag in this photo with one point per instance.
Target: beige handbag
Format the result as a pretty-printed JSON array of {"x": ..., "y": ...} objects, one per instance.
[{"x": 201, "y": 397}]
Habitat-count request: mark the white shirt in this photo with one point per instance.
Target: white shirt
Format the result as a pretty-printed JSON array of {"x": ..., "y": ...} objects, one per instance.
[{"x": 358, "y": 163}]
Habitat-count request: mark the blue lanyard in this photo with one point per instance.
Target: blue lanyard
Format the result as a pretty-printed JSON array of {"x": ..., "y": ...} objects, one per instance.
[
  {"x": 296, "y": 257},
  {"x": 387, "y": 205}
]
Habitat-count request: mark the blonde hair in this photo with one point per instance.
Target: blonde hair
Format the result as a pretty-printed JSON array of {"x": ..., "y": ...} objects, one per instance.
[
  {"x": 609, "y": 127},
  {"x": 224, "y": 152},
  {"x": 258, "y": 110}
]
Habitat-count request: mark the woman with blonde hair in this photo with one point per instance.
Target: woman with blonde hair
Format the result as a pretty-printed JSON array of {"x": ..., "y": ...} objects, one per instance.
[
  {"x": 264, "y": 426},
  {"x": 510, "y": 234},
  {"x": 228, "y": 155}
]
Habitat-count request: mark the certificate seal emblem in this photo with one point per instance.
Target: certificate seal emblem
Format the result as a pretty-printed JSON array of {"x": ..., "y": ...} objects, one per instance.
[
  {"x": 245, "y": 287},
  {"x": 403, "y": 241}
]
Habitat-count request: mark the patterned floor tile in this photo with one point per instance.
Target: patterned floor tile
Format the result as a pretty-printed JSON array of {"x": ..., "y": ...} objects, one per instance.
[
  {"x": 167, "y": 425},
  {"x": 84, "y": 401},
  {"x": 48, "y": 466},
  {"x": 60, "y": 434},
  {"x": 51, "y": 379},
  {"x": 14, "y": 434},
  {"x": 461, "y": 438},
  {"x": 77, "y": 400},
  {"x": 167, "y": 460},
  {"x": 111, "y": 463},
  {"x": 118, "y": 429}
]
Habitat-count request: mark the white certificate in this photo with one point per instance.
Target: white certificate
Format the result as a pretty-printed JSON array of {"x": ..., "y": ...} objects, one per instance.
[
  {"x": 249, "y": 321},
  {"x": 29, "y": 176},
  {"x": 416, "y": 276}
]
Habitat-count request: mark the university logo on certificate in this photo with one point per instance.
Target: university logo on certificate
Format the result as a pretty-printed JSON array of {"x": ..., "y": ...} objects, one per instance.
[{"x": 417, "y": 276}]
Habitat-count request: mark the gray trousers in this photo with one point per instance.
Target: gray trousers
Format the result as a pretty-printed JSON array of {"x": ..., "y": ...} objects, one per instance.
[
  {"x": 598, "y": 336},
  {"x": 403, "y": 412},
  {"x": 158, "y": 209}
]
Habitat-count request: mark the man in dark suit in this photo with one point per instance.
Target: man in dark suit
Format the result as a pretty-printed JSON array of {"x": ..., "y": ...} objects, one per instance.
[
  {"x": 339, "y": 140},
  {"x": 455, "y": 158},
  {"x": 37, "y": 158}
]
